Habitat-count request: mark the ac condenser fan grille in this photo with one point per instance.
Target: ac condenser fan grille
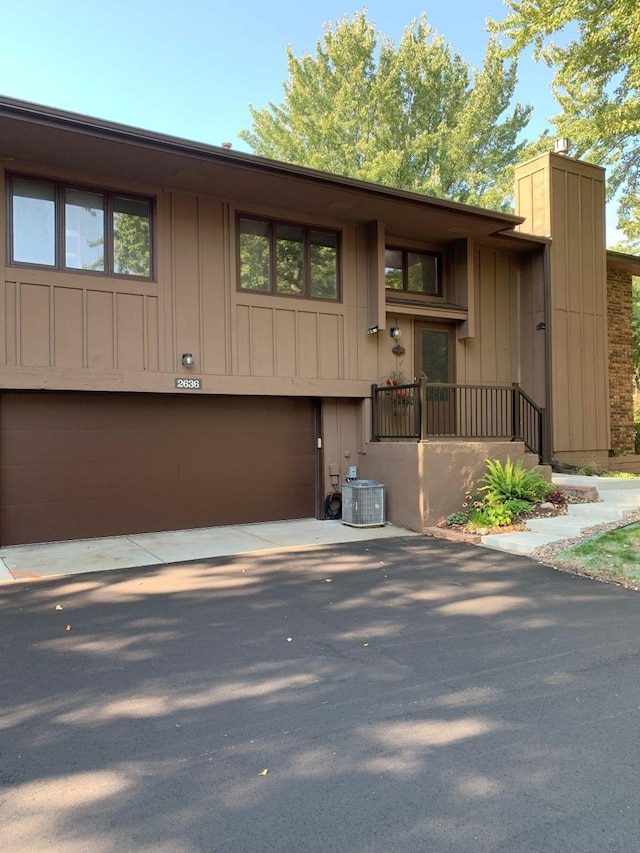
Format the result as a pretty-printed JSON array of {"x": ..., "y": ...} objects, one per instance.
[{"x": 363, "y": 503}]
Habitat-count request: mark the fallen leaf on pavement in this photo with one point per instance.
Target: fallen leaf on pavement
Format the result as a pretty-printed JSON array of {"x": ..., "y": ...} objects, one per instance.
[
  {"x": 68, "y": 628},
  {"x": 264, "y": 772},
  {"x": 59, "y": 607}
]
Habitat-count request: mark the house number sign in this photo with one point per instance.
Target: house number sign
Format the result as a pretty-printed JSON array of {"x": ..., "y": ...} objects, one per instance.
[{"x": 189, "y": 384}]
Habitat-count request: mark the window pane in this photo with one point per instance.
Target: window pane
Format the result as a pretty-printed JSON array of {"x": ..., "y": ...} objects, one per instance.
[
  {"x": 422, "y": 273},
  {"x": 34, "y": 223},
  {"x": 254, "y": 255},
  {"x": 84, "y": 230},
  {"x": 393, "y": 269},
  {"x": 435, "y": 363},
  {"x": 131, "y": 237},
  {"x": 290, "y": 260},
  {"x": 324, "y": 265}
]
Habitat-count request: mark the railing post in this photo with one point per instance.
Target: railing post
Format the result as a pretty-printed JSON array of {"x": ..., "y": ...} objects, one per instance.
[
  {"x": 542, "y": 438},
  {"x": 374, "y": 413},
  {"x": 516, "y": 428},
  {"x": 423, "y": 408}
]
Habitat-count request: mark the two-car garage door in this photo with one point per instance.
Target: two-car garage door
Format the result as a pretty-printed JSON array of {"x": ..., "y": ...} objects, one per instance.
[{"x": 79, "y": 465}]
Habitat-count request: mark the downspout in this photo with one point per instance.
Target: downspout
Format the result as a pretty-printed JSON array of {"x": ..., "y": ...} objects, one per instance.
[
  {"x": 548, "y": 377},
  {"x": 548, "y": 373}
]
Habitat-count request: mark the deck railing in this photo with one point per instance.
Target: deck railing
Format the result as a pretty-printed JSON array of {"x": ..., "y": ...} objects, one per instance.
[{"x": 422, "y": 410}]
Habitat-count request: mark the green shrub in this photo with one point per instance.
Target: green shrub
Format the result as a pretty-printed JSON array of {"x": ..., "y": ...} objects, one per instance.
[
  {"x": 589, "y": 470},
  {"x": 509, "y": 481},
  {"x": 518, "y": 507},
  {"x": 491, "y": 515},
  {"x": 457, "y": 518}
]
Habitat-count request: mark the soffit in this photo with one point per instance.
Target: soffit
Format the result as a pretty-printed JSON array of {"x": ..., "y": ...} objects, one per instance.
[{"x": 65, "y": 140}]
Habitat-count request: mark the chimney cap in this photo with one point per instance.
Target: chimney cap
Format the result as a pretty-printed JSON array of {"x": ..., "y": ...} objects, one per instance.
[{"x": 226, "y": 146}]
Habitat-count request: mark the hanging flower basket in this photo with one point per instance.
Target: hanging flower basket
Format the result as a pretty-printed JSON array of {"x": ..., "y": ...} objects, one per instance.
[
  {"x": 401, "y": 406},
  {"x": 400, "y": 397}
]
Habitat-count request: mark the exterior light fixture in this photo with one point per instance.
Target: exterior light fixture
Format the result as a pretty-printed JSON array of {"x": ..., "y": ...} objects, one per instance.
[
  {"x": 395, "y": 332},
  {"x": 372, "y": 330},
  {"x": 561, "y": 146},
  {"x": 187, "y": 359}
]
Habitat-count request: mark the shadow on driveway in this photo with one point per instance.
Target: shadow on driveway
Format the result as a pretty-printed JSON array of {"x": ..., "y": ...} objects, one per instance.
[{"x": 404, "y": 695}]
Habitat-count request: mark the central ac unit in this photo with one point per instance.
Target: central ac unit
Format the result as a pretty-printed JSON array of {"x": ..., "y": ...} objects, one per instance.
[{"x": 363, "y": 503}]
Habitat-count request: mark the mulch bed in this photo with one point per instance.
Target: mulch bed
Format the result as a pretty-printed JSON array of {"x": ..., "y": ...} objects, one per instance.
[{"x": 573, "y": 495}]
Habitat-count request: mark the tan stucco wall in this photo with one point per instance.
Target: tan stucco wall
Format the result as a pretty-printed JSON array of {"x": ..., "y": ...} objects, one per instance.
[
  {"x": 399, "y": 465},
  {"x": 426, "y": 481}
]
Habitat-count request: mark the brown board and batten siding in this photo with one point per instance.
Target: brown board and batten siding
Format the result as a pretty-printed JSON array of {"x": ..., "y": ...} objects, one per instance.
[
  {"x": 64, "y": 321},
  {"x": 564, "y": 198},
  {"x": 491, "y": 355},
  {"x": 80, "y": 465},
  {"x": 114, "y": 334}
]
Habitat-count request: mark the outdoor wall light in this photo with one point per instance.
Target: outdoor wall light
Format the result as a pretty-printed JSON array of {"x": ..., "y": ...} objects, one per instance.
[
  {"x": 187, "y": 359},
  {"x": 395, "y": 332},
  {"x": 561, "y": 146},
  {"x": 372, "y": 330}
]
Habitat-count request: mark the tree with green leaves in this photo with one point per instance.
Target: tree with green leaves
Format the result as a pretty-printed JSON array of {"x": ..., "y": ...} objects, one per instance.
[
  {"x": 594, "y": 47},
  {"x": 412, "y": 116}
]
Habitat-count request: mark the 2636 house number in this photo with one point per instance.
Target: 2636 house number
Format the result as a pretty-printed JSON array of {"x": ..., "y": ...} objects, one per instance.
[{"x": 189, "y": 384}]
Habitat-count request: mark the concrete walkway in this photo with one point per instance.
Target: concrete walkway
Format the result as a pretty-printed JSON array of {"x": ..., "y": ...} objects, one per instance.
[
  {"x": 618, "y": 499},
  {"x": 32, "y": 562}
]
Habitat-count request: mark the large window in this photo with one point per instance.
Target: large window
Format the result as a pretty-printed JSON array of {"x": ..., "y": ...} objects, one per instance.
[
  {"x": 71, "y": 228},
  {"x": 287, "y": 259},
  {"x": 409, "y": 271}
]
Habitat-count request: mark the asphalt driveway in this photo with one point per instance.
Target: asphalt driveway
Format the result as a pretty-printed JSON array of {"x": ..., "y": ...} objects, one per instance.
[{"x": 403, "y": 695}]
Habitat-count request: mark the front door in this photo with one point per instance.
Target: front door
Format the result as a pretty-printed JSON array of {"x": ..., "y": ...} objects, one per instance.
[{"x": 435, "y": 362}]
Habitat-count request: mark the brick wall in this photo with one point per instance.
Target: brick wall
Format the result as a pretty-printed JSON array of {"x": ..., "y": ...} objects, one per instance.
[{"x": 619, "y": 311}]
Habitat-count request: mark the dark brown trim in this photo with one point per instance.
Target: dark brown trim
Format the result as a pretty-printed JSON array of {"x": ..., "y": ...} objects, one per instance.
[
  {"x": 317, "y": 418},
  {"x": 405, "y": 273},
  {"x": 272, "y": 225},
  {"x": 435, "y": 326},
  {"x": 59, "y": 187}
]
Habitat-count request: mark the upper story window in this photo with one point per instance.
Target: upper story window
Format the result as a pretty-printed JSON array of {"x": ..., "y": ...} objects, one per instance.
[
  {"x": 71, "y": 228},
  {"x": 409, "y": 271},
  {"x": 287, "y": 259}
]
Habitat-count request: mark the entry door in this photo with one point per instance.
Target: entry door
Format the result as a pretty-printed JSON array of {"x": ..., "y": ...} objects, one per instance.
[{"x": 435, "y": 362}]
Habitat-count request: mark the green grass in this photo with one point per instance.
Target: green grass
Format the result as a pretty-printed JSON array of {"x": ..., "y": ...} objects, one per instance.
[
  {"x": 612, "y": 556},
  {"x": 592, "y": 470}
]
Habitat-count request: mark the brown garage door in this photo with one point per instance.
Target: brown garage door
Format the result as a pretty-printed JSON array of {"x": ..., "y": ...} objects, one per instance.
[{"x": 78, "y": 465}]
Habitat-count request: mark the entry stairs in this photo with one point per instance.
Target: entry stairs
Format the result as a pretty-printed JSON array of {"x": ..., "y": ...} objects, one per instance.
[{"x": 618, "y": 499}]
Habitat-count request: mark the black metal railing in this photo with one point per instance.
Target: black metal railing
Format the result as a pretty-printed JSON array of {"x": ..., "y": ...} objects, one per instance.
[{"x": 422, "y": 410}]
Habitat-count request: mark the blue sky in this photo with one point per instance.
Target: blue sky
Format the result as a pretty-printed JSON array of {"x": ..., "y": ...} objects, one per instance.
[{"x": 192, "y": 68}]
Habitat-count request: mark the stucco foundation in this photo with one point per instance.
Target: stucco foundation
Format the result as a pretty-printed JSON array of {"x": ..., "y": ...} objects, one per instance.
[{"x": 426, "y": 481}]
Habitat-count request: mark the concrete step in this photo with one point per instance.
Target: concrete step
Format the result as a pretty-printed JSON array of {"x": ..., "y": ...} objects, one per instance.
[
  {"x": 620, "y": 497},
  {"x": 602, "y": 484},
  {"x": 562, "y": 526},
  {"x": 597, "y": 513},
  {"x": 517, "y": 543}
]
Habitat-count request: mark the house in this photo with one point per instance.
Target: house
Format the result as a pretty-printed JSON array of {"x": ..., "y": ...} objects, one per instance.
[{"x": 192, "y": 336}]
